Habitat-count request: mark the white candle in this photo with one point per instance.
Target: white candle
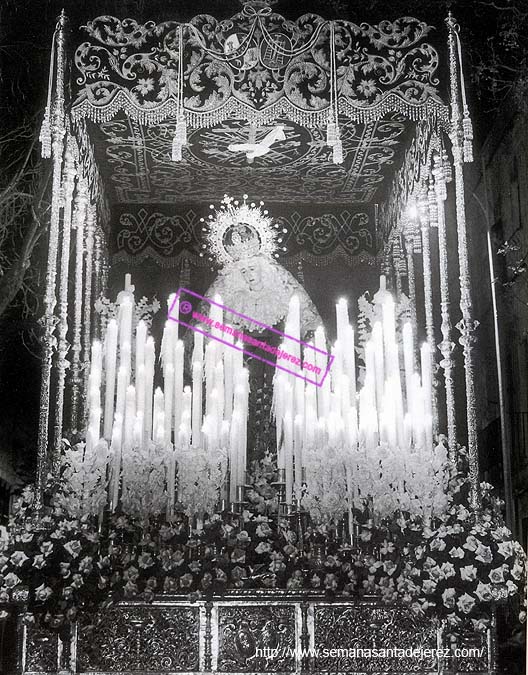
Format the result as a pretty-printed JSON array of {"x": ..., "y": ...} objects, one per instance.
[
  {"x": 408, "y": 361},
  {"x": 293, "y": 328},
  {"x": 196, "y": 403},
  {"x": 379, "y": 362},
  {"x": 150, "y": 361},
  {"x": 125, "y": 360},
  {"x": 219, "y": 387},
  {"x": 178, "y": 382},
  {"x": 169, "y": 387},
  {"x": 337, "y": 366},
  {"x": 427, "y": 387},
  {"x": 342, "y": 319},
  {"x": 224, "y": 434},
  {"x": 175, "y": 311},
  {"x": 138, "y": 430},
  {"x": 352, "y": 428},
  {"x": 407, "y": 430},
  {"x": 121, "y": 392},
  {"x": 110, "y": 374},
  {"x": 234, "y": 440},
  {"x": 210, "y": 364},
  {"x": 299, "y": 396},
  {"x": 241, "y": 402},
  {"x": 288, "y": 455},
  {"x": 344, "y": 396},
  {"x": 298, "y": 449},
  {"x": 125, "y": 319},
  {"x": 185, "y": 426},
  {"x": 130, "y": 415},
  {"x": 349, "y": 356},
  {"x": 158, "y": 415},
  {"x": 198, "y": 346},
  {"x": 168, "y": 342},
  {"x": 216, "y": 314},
  {"x": 370, "y": 372},
  {"x": 389, "y": 333},
  {"x": 228, "y": 383},
  {"x": 159, "y": 438},
  {"x": 97, "y": 361},
  {"x": 140, "y": 389},
  {"x": 141, "y": 336}
]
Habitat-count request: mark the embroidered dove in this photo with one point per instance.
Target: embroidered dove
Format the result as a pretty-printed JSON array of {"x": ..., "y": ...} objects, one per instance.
[{"x": 253, "y": 150}]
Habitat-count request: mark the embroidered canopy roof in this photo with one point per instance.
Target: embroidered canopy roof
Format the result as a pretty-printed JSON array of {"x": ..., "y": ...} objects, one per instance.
[{"x": 235, "y": 80}]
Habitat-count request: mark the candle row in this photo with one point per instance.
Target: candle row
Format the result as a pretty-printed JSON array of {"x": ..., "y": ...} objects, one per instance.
[
  {"x": 392, "y": 406},
  {"x": 211, "y": 414}
]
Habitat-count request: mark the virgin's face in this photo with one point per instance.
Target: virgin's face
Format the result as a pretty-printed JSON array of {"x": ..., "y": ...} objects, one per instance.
[{"x": 252, "y": 274}]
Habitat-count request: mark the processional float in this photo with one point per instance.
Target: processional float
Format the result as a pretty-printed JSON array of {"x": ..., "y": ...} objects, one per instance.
[{"x": 148, "y": 451}]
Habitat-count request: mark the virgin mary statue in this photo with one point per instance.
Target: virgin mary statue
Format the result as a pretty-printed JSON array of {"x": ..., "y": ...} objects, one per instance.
[{"x": 244, "y": 241}]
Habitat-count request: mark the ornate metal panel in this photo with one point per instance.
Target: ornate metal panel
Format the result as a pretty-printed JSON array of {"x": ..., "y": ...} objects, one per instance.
[
  {"x": 379, "y": 627},
  {"x": 244, "y": 628},
  {"x": 41, "y": 650},
  {"x": 223, "y": 636},
  {"x": 140, "y": 638}
]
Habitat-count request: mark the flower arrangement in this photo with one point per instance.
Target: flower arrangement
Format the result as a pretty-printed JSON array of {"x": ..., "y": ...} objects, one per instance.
[
  {"x": 451, "y": 571},
  {"x": 465, "y": 564}
]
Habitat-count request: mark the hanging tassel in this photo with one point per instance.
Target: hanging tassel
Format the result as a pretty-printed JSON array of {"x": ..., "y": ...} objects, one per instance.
[
  {"x": 332, "y": 133},
  {"x": 180, "y": 139},
  {"x": 467, "y": 128},
  {"x": 448, "y": 171},
  {"x": 181, "y": 130},
  {"x": 337, "y": 152},
  {"x": 176, "y": 150},
  {"x": 45, "y": 135}
]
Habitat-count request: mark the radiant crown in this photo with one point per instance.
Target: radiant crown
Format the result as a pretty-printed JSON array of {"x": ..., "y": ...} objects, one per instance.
[{"x": 238, "y": 231}]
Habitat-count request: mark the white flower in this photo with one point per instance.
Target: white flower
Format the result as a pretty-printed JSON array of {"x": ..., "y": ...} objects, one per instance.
[
  {"x": 18, "y": 558},
  {"x": 505, "y": 549},
  {"x": 471, "y": 543},
  {"x": 46, "y": 547},
  {"x": 43, "y": 592},
  {"x": 512, "y": 588},
  {"x": 456, "y": 552},
  {"x": 448, "y": 569},
  {"x": 517, "y": 571},
  {"x": 11, "y": 580},
  {"x": 462, "y": 513},
  {"x": 438, "y": 545},
  {"x": 429, "y": 586},
  {"x": 39, "y": 561},
  {"x": 468, "y": 573},
  {"x": 436, "y": 573},
  {"x": 496, "y": 576},
  {"x": 484, "y": 554},
  {"x": 466, "y": 603},
  {"x": 389, "y": 566},
  {"x": 73, "y": 547},
  {"x": 483, "y": 592},
  {"x": 448, "y": 597},
  {"x": 453, "y": 620}
]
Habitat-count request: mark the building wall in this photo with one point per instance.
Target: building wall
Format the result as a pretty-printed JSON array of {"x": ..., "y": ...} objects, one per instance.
[{"x": 498, "y": 202}]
